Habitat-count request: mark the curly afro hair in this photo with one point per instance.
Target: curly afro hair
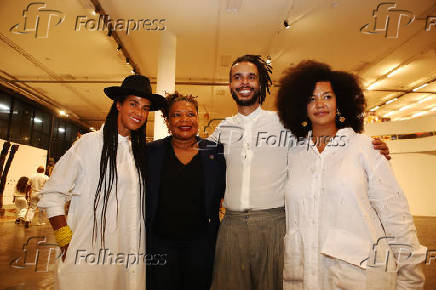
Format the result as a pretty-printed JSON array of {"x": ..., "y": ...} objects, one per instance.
[{"x": 297, "y": 85}]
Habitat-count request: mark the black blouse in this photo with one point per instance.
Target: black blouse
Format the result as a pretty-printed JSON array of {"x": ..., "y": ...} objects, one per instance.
[{"x": 181, "y": 211}]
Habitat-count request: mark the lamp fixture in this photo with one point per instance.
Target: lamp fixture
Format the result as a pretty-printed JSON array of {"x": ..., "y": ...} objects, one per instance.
[{"x": 286, "y": 24}]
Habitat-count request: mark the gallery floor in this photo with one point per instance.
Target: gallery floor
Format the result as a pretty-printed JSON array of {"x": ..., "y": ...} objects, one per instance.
[{"x": 19, "y": 270}]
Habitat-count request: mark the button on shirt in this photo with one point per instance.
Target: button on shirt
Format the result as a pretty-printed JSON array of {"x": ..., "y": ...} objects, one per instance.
[{"x": 255, "y": 149}]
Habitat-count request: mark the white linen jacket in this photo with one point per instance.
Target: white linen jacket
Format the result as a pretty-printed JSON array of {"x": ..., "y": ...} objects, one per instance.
[
  {"x": 341, "y": 204},
  {"x": 120, "y": 264}
]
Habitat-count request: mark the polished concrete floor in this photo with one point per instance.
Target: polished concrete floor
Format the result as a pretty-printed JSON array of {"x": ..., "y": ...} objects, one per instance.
[{"x": 15, "y": 274}]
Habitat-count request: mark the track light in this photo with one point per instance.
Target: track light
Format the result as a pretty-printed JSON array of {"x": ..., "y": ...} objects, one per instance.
[
  {"x": 420, "y": 87},
  {"x": 286, "y": 24}
]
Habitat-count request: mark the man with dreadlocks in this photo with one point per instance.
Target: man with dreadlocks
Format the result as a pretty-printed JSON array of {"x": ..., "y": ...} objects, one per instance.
[
  {"x": 104, "y": 175},
  {"x": 249, "y": 250}
]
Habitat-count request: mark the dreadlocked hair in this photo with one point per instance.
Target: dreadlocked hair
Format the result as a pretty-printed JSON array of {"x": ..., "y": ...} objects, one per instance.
[
  {"x": 109, "y": 159},
  {"x": 264, "y": 70}
]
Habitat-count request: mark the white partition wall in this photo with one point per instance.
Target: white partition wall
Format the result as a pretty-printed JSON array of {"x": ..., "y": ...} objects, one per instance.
[
  {"x": 26, "y": 161},
  {"x": 413, "y": 161}
]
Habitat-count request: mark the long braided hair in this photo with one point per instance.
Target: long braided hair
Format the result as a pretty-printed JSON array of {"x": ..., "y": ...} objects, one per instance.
[
  {"x": 109, "y": 159},
  {"x": 264, "y": 70}
]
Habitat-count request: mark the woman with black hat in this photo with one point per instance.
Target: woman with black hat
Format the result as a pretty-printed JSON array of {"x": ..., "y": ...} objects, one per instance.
[{"x": 104, "y": 174}]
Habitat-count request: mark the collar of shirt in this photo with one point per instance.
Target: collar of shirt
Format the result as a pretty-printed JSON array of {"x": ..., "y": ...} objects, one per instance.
[
  {"x": 250, "y": 117},
  {"x": 342, "y": 137},
  {"x": 121, "y": 139}
]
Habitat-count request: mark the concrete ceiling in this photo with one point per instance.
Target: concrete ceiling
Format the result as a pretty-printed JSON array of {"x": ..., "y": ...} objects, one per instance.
[{"x": 68, "y": 69}]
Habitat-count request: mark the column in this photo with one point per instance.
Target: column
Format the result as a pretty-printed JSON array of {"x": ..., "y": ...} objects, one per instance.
[{"x": 166, "y": 78}]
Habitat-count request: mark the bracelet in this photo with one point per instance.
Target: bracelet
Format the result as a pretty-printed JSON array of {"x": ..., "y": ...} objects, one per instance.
[{"x": 63, "y": 236}]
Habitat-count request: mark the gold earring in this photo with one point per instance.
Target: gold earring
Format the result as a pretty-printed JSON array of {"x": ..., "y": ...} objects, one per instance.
[
  {"x": 304, "y": 123},
  {"x": 341, "y": 118}
]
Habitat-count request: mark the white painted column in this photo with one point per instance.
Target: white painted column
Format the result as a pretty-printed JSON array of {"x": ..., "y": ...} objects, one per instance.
[{"x": 166, "y": 78}]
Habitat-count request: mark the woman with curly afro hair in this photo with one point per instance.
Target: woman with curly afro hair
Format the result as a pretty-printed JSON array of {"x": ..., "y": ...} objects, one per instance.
[{"x": 343, "y": 202}]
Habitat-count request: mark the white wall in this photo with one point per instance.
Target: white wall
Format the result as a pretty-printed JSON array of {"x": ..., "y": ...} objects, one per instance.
[
  {"x": 413, "y": 161},
  {"x": 26, "y": 161}
]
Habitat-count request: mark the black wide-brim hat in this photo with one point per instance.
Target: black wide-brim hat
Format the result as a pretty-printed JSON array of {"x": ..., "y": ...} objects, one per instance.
[{"x": 137, "y": 85}]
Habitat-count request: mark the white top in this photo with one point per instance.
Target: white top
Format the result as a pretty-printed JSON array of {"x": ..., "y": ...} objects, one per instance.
[
  {"x": 255, "y": 148},
  {"x": 338, "y": 204},
  {"x": 37, "y": 181},
  {"x": 76, "y": 176}
]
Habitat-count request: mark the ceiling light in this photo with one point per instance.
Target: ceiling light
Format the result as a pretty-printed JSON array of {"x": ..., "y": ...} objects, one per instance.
[
  {"x": 405, "y": 107},
  {"x": 389, "y": 114},
  {"x": 37, "y": 120},
  {"x": 425, "y": 99},
  {"x": 61, "y": 130},
  {"x": 419, "y": 114},
  {"x": 62, "y": 113},
  {"x": 4, "y": 107},
  {"x": 393, "y": 72},
  {"x": 372, "y": 86},
  {"x": 391, "y": 101},
  {"x": 420, "y": 87},
  {"x": 268, "y": 60},
  {"x": 92, "y": 129},
  {"x": 132, "y": 71},
  {"x": 375, "y": 108},
  {"x": 286, "y": 24}
]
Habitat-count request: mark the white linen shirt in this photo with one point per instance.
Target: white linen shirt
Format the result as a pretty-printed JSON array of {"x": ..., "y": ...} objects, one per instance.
[
  {"x": 37, "y": 181},
  {"x": 339, "y": 203},
  {"x": 255, "y": 148},
  {"x": 75, "y": 176}
]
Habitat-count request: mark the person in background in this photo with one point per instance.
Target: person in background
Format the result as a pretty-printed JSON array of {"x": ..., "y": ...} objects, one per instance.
[
  {"x": 104, "y": 173},
  {"x": 37, "y": 181},
  {"x": 21, "y": 193},
  {"x": 186, "y": 181},
  {"x": 345, "y": 209}
]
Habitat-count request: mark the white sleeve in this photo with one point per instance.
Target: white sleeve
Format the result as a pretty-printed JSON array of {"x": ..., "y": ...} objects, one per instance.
[
  {"x": 390, "y": 203},
  {"x": 215, "y": 136},
  {"x": 57, "y": 190}
]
